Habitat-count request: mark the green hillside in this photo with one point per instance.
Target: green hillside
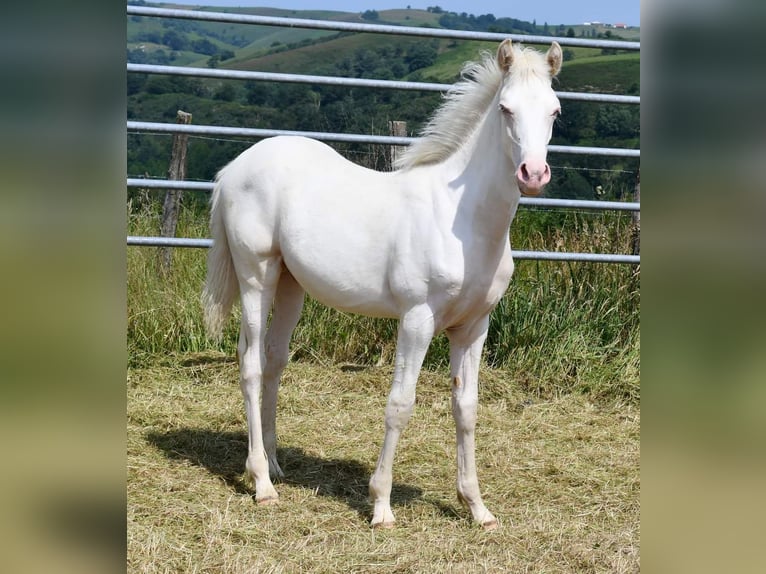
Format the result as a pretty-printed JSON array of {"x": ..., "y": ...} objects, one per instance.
[
  {"x": 242, "y": 40},
  {"x": 614, "y": 74},
  {"x": 320, "y": 57},
  {"x": 407, "y": 17}
]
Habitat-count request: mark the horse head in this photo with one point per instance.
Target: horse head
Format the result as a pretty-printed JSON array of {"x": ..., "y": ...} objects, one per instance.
[{"x": 528, "y": 106}]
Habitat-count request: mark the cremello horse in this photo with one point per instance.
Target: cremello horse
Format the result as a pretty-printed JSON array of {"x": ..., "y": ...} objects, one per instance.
[{"x": 427, "y": 244}]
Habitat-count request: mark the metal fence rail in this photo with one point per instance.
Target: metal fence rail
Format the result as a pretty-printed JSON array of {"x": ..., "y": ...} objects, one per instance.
[
  {"x": 341, "y": 81},
  {"x": 157, "y": 127},
  {"x": 538, "y": 255},
  {"x": 374, "y": 28},
  {"x": 526, "y": 201}
]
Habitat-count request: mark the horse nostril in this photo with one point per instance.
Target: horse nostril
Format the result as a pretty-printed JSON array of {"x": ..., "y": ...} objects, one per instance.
[{"x": 524, "y": 172}]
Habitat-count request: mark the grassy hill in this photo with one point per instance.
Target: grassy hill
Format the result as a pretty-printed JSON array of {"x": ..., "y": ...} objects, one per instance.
[
  {"x": 317, "y": 56},
  {"x": 292, "y": 49},
  {"x": 588, "y": 70},
  {"x": 618, "y": 73},
  {"x": 245, "y": 41}
]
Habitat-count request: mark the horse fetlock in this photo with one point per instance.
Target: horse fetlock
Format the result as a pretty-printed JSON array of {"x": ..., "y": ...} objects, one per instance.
[
  {"x": 258, "y": 466},
  {"x": 479, "y": 512}
]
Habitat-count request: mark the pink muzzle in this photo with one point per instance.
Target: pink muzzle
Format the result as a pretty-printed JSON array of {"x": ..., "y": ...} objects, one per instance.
[{"x": 532, "y": 177}]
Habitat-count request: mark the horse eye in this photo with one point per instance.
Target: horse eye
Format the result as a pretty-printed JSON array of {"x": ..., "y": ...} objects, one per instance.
[{"x": 505, "y": 110}]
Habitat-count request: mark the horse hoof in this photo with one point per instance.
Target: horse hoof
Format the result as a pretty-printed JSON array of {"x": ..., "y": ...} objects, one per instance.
[
  {"x": 384, "y": 525},
  {"x": 490, "y": 526},
  {"x": 268, "y": 501}
]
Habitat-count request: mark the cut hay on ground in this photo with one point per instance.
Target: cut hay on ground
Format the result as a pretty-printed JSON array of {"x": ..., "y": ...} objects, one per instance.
[{"x": 561, "y": 475}]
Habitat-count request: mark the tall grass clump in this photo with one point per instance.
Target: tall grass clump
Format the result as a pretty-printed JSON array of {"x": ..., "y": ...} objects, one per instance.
[
  {"x": 566, "y": 326},
  {"x": 164, "y": 313},
  {"x": 561, "y": 327}
]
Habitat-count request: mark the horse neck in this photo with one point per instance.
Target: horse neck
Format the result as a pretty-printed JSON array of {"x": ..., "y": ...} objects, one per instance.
[{"x": 483, "y": 174}]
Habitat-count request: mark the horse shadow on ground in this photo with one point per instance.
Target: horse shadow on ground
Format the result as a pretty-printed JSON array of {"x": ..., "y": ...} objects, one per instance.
[
  {"x": 199, "y": 359},
  {"x": 224, "y": 453}
]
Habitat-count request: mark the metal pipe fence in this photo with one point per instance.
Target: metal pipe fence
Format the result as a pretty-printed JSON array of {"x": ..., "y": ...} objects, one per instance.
[
  {"x": 341, "y": 81},
  {"x": 538, "y": 255},
  {"x": 159, "y": 127},
  {"x": 375, "y": 28},
  {"x": 228, "y": 131},
  {"x": 208, "y": 186}
]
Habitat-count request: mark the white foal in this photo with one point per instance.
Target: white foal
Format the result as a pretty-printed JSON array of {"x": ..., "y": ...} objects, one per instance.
[{"x": 427, "y": 244}]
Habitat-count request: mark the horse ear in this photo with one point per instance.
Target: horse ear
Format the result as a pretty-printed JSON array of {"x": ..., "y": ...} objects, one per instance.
[
  {"x": 554, "y": 58},
  {"x": 505, "y": 55}
]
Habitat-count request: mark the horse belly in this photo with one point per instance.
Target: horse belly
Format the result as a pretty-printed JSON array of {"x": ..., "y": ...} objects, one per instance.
[
  {"x": 341, "y": 281},
  {"x": 336, "y": 245}
]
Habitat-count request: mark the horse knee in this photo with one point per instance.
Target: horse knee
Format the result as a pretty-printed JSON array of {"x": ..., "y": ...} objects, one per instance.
[
  {"x": 398, "y": 412},
  {"x": 464, "y": 413}
]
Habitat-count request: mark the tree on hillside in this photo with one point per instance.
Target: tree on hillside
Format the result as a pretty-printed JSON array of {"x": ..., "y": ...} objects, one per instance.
[
  {"x": 617, "y": 121},
  {"x": 420, "y": 56},
  {"x": 370, "y": 15},
  {"x": 227, "y": 93},
  {"x": 175, "y": 41},
  {"x": 204, "y": 46}
]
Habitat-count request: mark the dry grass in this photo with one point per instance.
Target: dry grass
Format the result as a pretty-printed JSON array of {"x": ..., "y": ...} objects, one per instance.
[{"x": 562, "y": 475}]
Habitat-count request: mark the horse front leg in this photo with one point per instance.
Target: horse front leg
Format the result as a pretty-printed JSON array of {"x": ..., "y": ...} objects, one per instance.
[
  {"x": 416, "y": 329},
  {"x": 466, "y": 345}
]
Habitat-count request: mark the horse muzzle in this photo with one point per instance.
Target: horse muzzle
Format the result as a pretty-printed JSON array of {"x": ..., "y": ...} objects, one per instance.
[{"x": 531, "y": 177}]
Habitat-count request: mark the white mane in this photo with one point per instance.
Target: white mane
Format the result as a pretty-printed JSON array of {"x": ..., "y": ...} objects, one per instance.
[{"x": 465, "y": 104}]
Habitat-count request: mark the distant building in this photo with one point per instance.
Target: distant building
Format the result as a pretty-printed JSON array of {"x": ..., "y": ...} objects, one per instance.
[{"x": 621, "y": 25}]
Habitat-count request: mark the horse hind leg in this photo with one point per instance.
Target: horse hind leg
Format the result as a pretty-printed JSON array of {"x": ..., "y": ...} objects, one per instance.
[
  {"x": 288, "y": 303},
  {"x": 258, "y": 283}
]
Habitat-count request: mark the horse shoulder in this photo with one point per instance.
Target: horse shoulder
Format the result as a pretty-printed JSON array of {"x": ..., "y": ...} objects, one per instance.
[{"x": 501, "y": 277}]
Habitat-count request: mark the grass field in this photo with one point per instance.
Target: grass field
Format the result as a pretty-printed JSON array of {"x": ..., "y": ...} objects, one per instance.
[
  {"x": 561, "y": 475},
  {"x": 558, "y": 432}
]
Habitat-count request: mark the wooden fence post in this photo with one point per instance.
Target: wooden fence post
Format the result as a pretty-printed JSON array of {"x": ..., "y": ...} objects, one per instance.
[
  {"x": 636, "y": 239},
  {"x": 176, "y": 171},
  {"x": 396, "y": 129}
]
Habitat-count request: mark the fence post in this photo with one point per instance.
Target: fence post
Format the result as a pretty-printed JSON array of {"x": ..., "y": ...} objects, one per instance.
[
  {"x": 176, "y": 171},
  {"x": 397, "y": 129},
  {"x": 636, "y": 233}
]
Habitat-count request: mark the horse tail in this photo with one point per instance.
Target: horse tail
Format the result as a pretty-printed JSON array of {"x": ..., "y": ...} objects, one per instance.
[{"x": 221, "y": 287}]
